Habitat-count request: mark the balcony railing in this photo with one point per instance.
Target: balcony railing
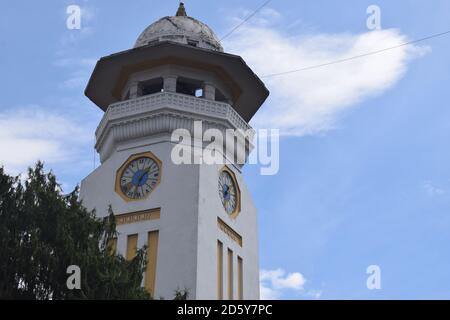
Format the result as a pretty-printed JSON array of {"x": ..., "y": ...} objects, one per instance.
[{"x": 182, "y": 102}]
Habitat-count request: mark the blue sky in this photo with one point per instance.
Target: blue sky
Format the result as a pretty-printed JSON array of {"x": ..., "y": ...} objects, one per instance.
[{"x": 364, "y": 160}]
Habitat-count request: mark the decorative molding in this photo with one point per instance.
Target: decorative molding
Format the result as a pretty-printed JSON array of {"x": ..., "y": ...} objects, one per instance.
[
  {"x": 156, "y": 101},
  {"x": 233, "y": 235},
  {"x": 135, "y": 217},
  {"x": 163, "y": 113}
]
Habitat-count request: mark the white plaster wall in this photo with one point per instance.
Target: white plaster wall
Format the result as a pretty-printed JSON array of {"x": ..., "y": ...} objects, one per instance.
[
  {"x": 210, "y": 207},
  {"x": 177, "y": 196}
]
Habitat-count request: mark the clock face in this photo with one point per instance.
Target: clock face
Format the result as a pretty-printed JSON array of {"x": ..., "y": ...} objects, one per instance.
[
  {"x": 139, "y": 177},
  {"x": 228, "y": 192}
]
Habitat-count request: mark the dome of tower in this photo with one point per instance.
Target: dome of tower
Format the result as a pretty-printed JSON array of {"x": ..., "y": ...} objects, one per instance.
[{"x": 182, "y": 29}]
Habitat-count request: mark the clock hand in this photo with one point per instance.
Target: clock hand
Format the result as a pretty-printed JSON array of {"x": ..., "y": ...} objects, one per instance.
[
  {"x": 143, "y": 175},
  {"x": 128, "y": 186},
  {"x": 146, "y": 171}
]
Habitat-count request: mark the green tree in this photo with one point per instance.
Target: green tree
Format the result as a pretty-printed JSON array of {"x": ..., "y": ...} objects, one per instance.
[
  {"x": 43, "y": 232},
  {"x": 181, "y": 294}
]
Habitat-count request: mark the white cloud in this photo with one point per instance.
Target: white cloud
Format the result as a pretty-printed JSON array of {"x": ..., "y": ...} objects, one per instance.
[
  {"x": 311, "y": 101},
  {"x": 33, "y": 133},
  {"x": 432, "y": 190},
  {"x": 76, "y": 80},
  {"x": 88, "y": 13},
  {"x": 78, "y": 77},
  {"x": 274, "y": 282},
  {"x": 73, "y": 37},
  {"x": 279, "y": 280},
  {"x": 77, "y": 63},
  {"x": 315, "y": 294},
  {"x": 267, "y": 293}
]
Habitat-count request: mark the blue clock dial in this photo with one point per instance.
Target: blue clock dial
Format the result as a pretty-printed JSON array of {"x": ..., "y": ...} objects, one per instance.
[
  {"x": 139, "y": 178},
  {"x": 227, "y": 192}
]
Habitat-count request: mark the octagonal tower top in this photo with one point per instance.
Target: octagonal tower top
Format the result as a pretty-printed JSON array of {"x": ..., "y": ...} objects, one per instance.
[{"x": 180, "y": 55}]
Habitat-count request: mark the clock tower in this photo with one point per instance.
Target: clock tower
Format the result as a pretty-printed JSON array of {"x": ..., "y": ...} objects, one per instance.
[{"x": 197, "y": 218}]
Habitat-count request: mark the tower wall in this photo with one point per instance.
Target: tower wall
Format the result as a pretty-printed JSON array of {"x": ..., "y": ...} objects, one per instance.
[
  {"x": 188, "y": 225},
  {"x": 210, "y": 231},
  {"x": 176, "y": 196}
]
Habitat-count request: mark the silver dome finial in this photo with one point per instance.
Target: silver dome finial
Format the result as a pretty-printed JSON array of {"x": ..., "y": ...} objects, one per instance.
[{"x": 181, "y": 12}]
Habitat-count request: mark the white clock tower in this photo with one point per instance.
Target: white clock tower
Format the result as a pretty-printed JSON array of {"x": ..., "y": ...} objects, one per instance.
[{"x": 197, "y": 219}]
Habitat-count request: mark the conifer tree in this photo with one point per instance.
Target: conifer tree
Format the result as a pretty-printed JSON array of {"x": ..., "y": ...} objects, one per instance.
[{"x": 43, "y": 232}]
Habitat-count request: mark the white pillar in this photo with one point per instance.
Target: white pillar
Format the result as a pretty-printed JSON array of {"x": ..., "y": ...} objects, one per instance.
[
  {"x": 209, "y": 91},
  {"x": 170, "y": 84},
  {"x": 135, "y": 90}
]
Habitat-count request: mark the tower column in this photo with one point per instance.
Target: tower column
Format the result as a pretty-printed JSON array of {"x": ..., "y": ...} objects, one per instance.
[
  {"x": 209, "y": 91},
  {"x": 170, "y": 83},
  {"x": 135, "y": 90}
]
